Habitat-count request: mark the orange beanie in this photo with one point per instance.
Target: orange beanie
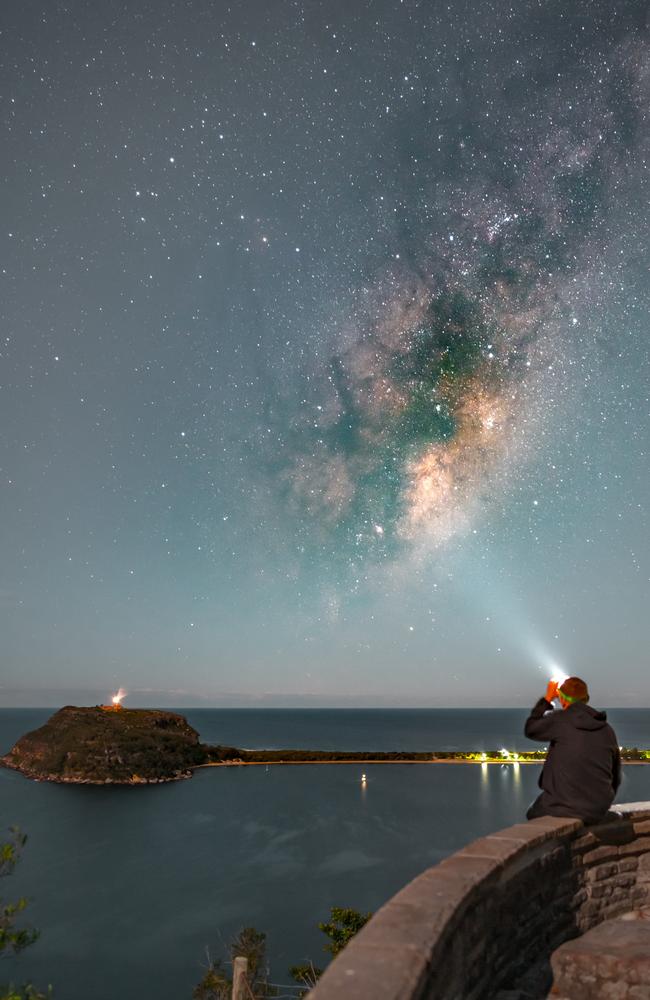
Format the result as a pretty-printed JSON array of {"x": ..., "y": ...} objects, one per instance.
[{"x": 574, "y": 689}]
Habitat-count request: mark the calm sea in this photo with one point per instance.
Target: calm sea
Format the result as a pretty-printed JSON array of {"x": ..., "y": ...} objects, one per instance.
[{"x": 129, "y": 886}]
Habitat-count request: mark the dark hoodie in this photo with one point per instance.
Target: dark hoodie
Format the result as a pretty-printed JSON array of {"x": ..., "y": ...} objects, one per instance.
[{"x": 583, "y": 765}]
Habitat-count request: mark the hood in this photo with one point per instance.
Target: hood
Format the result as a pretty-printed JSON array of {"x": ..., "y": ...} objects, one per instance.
[{"x": 583, "y": 716}]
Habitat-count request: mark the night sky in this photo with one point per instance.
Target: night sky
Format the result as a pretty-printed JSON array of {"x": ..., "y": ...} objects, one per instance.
[{"x": 324, "y": 354}]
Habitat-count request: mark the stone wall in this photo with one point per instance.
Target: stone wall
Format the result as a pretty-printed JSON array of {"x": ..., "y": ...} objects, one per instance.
[{"x": 485, "y": 920}]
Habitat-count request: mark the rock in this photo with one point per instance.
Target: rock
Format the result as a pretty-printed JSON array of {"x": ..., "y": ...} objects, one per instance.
[
  {"x": 611, "y": 960},
  {"x": 105, "y": 746}
]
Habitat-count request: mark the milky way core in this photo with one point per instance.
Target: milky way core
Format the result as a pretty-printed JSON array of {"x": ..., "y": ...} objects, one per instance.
[{"x": 464, "y": 352}]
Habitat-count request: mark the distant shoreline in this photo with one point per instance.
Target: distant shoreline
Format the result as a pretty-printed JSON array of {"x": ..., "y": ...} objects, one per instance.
[
  {"x": 288, "y": 761},
  {"x": 433, "y": 760}
]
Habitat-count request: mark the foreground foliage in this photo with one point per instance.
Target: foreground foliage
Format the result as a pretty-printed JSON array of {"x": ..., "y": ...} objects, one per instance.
[
  {"x": 14, "y": 939},
  {"x": 250, "y": 943},
  {"x": 217, "y": 984},
  {"x": 343, "y": 924},
  {"x": 342, "y": 927}
]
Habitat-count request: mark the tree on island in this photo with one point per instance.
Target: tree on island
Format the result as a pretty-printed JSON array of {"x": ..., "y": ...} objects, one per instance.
[{"x": 14, "y": 939}]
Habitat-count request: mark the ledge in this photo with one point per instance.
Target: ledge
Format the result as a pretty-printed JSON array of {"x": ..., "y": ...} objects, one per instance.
[{"x": 487, "y": 918}]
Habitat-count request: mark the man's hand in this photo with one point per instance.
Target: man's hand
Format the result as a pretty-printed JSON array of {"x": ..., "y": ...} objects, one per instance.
[{"x": 551, "y": 690}]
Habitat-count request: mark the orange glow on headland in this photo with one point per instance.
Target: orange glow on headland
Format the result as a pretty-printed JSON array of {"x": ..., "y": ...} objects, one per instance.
[{"x": 116, "y": 701}]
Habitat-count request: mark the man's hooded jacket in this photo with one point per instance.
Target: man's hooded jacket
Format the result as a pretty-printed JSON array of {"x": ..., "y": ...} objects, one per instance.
[{"x": 583, "y": 767}]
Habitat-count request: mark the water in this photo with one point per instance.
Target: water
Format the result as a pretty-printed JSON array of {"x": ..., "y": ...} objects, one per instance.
[{"x": 129, "y": 885}]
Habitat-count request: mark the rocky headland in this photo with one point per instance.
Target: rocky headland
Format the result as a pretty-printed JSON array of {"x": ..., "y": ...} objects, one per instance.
[{"x": 99, "y": 746}]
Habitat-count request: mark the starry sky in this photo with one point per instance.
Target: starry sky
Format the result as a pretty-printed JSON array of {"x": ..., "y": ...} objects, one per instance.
[{"x": 324, "y": 353}]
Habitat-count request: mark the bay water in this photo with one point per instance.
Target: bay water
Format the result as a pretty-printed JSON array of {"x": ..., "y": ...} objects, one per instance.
[{"x": 131, "y": 886}]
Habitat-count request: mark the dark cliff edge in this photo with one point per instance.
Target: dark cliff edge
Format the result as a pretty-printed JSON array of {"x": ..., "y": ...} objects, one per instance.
[{"x": 127, "y": 746}]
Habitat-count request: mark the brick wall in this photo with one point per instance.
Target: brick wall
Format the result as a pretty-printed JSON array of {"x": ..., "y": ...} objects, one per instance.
[{"x": 486, "y": 919}]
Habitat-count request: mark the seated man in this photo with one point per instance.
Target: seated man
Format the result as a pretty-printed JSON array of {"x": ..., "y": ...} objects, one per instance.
[{"x": 582, "y": 770}]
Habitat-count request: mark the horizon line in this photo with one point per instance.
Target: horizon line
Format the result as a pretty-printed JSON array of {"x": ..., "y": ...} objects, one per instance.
[{"x": 308, "y": 708}]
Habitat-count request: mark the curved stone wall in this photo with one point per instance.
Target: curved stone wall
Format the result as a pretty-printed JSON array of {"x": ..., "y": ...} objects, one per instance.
[{"x": 486, "y": 919}]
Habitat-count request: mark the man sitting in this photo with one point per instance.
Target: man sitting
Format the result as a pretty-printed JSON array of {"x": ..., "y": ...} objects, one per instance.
[{"x": 583, "y": 767}]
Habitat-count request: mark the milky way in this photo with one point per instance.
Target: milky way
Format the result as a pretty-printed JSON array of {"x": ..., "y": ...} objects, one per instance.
[{"x": 460, "y": 356}]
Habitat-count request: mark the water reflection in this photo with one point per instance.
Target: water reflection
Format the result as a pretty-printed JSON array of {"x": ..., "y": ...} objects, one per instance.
[
  {"x": 364, "y": 786},
  {"x": 484, "y": 787},
  {"x": 505, "y": 787}
]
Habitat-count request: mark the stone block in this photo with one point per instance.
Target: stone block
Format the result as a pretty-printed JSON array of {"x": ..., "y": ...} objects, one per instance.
[
  {"x": 606, "y": 852},
  {"x": 468, "y": 870},
  {"x": 609, "y": 961},
  {"x": 538, "y": 831},
  {"x": 599, "y": 872},
  {"x": 640, "y": 845},
  {"x": 583, "y": 842},
  {"x": 445, "y": 884},
  {"x": 500, "y": 850},
  {"x": 623, "y": 880},
  {"x": 367, "y": 973},
  {"x": 620, "y": 895},
  {"x": 578, "y": 899},
  {"x": 429, "y": 905},
  {"x": 617, "y": 908},
  {"x": 641, "y": 826},
  {"x": 591, "y": 908},
  {"x": 406, "y": 926},
  {"x": 600, "y": 890},
  {"x": 585, "y": 923}
]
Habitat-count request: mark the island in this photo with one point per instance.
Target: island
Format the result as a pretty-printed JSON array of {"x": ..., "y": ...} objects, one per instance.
[
  {"x": 107, "y": 745},
  {"x": 113, "y": 745}
]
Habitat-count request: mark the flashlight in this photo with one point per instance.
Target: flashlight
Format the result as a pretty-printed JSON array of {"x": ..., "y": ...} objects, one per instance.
[{"x": 558, "y": 675}]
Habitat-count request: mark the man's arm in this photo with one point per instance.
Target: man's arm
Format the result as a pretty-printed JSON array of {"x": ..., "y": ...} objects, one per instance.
[{"x": 540, "y": 726}]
